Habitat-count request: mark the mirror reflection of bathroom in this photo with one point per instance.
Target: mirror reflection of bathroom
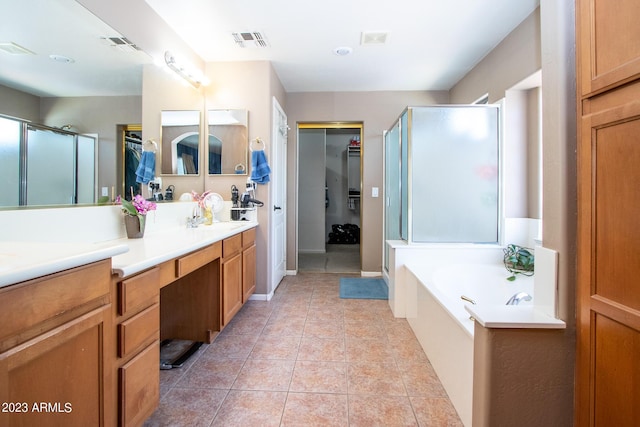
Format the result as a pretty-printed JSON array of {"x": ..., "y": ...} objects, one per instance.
[
  {"x": 329, "y": 197},
  {"x": 180, "y": 142},
  {"x": 131, "y": 152},
  {"x": 227, "y": 142}
]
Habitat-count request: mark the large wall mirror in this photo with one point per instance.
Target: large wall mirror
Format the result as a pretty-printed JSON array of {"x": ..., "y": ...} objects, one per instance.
[
  {"x": 228, "y": 138},
  {"x": 180, "y": 142},
  {"x": 67, "y": 74}
]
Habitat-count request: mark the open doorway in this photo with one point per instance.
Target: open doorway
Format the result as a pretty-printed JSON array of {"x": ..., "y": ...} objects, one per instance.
[{"x": 329, "y": 190}]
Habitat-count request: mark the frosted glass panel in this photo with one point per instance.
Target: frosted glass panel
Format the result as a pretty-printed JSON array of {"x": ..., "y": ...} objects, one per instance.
[
  {"x": 86, "y": 169},
  {"x": 454, "y": 187},
  {"x": 51, "y": 168},
  {"x": 9, "y": 162}
]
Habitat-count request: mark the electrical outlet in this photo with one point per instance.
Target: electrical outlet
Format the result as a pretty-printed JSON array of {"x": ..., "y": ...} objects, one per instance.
[
  {"x": 374, "y": 191},
  {"x": 105, "y": 191}
]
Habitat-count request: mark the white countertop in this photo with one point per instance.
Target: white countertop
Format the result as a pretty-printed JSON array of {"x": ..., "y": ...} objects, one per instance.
[
  {"x": 513, "y": 316},
  {"x": 25, "y": 260},
  {"x": 20, "y": 261},
  {"x": 164, "y": 245}
]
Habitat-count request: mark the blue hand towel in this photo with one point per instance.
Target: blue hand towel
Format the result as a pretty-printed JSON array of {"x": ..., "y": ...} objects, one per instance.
[
  {"x": 146, "y": 168},
  {"x": 260, "y": 169}
]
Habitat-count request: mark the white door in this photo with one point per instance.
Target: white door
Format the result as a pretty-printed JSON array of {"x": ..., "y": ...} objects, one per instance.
[{"x": 278, "y": 220}]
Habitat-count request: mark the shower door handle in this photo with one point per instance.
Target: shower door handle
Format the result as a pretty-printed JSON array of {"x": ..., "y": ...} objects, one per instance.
[{"x": 276, "y": 208}]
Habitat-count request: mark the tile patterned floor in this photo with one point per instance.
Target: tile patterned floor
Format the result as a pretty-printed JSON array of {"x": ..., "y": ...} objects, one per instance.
[
  {"x": 336, "y": 259},
  {"x": 307, "y": 358}
]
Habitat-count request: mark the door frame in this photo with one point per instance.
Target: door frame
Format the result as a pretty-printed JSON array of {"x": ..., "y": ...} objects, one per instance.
[{"x": 328, "y": 125}]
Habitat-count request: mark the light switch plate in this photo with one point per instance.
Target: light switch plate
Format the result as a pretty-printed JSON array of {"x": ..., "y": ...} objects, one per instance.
[{"x": 374, "y": 191}]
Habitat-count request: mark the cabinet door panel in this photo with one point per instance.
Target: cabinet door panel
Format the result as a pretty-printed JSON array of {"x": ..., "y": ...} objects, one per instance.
[
  {"x": 248, "y": 272},
  {"x": 231, "y": 288},
  {"x": 608, "y": 43},
  {"x": 59, "y": 374},
  {"x": 140, "y": 386}
]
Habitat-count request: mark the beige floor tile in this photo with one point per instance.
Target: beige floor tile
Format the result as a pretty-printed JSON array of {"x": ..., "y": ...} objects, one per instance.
[
  {"x": 323, "y": 329},
  {"x": 284, "y": 326},
  {"x": 187, "y": 406},
  {"x": 364, "y": 329},
  {"x": 380, "y": 411},
  {"x": 314, "y": 409},
  {"x": 251, "y": 408},
  {"x": 436, "y": 412},
  {"x": 319, "y": 377},
  {"x": 272, "y": 375},
  {"x": 375, "y": 379},
  {"x": 322, "y": 349},
  {"x": 276, "y": 347},
  {"x": 421, "y": 380},
  {"x": 368, "y": 350},
  {"x": 307, "y": 358},
  {"x": 231, "y": 346},
  {"x": 216, "y": 373}
]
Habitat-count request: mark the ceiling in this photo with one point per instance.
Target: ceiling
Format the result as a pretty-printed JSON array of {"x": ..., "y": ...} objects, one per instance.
[{"x": 430, "y": 44}]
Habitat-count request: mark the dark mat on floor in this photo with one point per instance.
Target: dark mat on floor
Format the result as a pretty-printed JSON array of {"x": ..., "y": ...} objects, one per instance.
[{"x": 363, "y": 288}]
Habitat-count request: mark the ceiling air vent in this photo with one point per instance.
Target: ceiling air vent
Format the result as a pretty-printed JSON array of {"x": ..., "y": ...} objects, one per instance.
[
  {"x": 14, "y": 49},
  {"x": 250, "y": 39},
  {"x": 371, "y": 38},
  {"x": 121, "y": 43}
]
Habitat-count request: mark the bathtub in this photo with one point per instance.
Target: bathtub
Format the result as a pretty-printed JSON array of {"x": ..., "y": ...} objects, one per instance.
[{"x": 439, "y": 320}]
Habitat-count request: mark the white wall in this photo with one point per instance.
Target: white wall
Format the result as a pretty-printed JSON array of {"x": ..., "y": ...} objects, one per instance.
[{"x": 377, "y": 111}]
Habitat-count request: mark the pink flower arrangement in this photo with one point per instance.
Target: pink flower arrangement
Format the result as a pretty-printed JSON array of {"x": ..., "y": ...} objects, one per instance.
[
  {"x": 138, "y": 206},
  {"x": 200, "y": 198}
]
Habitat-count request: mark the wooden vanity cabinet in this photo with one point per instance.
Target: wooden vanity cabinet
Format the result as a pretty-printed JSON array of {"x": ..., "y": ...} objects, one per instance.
[
  {"x": 248, "y": 264},
  {"x": 231, "y": 267},
  {"x": 55, "y": 337},
  {"x": 136, "y": 387}
]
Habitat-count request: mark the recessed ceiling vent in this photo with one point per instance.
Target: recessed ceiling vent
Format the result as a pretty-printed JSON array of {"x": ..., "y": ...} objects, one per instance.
[
  {"x": 371, "y": 38},
  {"x": 14, "y": 49},
  {"x": 121, "y": 43},
  {"x": 250, "y": 39}
]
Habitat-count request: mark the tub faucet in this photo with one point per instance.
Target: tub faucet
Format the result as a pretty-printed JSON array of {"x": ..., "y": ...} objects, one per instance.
[{"x": 520, "y": 296}]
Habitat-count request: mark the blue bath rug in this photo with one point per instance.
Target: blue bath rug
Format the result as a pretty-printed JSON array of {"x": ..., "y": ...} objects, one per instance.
[{"x": 363, "y": 288}]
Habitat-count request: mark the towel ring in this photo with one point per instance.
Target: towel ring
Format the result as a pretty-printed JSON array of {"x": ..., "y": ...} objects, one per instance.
[
  {"x": 150, "y": 145},
  {"x": 256, "y": 145},
  {"x": 239, "y": 169}
]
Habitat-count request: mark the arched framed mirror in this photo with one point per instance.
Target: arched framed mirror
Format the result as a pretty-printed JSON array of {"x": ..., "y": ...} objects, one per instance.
[{"x": 180, "y": 142}]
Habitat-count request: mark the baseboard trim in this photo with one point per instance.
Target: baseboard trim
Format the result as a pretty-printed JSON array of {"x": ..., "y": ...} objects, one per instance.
[
  {"x": 291, "y": 272},
  {"x": 261, "y": 297},
  {"x": 370, "y": 274}
]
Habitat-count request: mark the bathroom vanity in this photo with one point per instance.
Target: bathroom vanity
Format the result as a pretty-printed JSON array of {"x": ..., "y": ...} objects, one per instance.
[{"x": 80, "y": 335}]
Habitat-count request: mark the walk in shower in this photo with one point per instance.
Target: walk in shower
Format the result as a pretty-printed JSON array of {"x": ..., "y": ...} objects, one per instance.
[{"x": 441, "y": 176}]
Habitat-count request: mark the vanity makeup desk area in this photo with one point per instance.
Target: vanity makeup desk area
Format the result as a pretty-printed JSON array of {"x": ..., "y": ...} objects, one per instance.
[{"x": 81, "y": 322}]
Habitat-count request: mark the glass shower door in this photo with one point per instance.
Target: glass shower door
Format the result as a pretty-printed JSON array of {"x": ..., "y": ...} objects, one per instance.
[
  {"x": 10, "y": 161},
  {"x": 454, "y": 174},
  {"x": 50, "y": 167}
]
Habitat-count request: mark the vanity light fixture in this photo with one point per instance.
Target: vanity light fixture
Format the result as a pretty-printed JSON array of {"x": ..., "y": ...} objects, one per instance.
[{"x": 190, "y": 74}]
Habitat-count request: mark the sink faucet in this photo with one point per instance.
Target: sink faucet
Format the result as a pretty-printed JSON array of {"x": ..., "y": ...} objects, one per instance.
[{"x": 520, "y": 296}]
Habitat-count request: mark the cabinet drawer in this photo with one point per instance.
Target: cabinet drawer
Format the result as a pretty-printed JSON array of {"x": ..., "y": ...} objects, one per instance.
[
  {"x": 139, "y": 384},
  {"x": 133, "y": 332},
  {"x": 231, "y": 245},
  {"x": 248, "y": 238},
  {"x": 35, "y": 302},
  {"x": 137, "y": 292},
  {"x": 195, "y": 260}
]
